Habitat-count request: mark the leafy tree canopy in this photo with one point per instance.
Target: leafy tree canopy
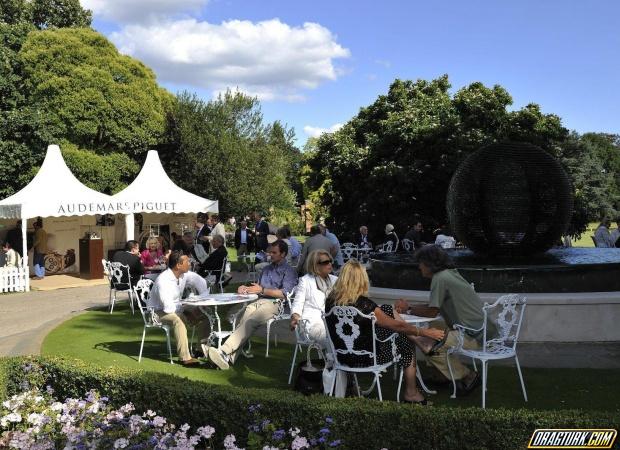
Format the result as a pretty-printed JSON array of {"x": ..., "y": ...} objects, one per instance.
[
  {"x": 45, "y": 13},
  {"x": 94, "y": 96},
  {"x": 396, "y": 157},
  {"x": 222, "y": 149}
]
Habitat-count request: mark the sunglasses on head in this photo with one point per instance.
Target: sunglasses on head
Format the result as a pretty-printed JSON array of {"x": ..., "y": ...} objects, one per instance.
[{"x": 326, "y": 262}]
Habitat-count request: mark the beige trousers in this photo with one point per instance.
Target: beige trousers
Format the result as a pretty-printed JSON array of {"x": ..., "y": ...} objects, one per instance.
[
  {"x": 178, "y": 323},
  {"x": 440, "y": 361},
  {"x": 255, "y": 315}
]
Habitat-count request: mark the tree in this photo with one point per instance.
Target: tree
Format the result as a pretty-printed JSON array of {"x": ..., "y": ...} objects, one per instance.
[
  {"x": 221, "y": 149},
  {"x": 396, "y": 157},
  {"x": 94, "y": 97},
  {"x": 45, "y": 13}
]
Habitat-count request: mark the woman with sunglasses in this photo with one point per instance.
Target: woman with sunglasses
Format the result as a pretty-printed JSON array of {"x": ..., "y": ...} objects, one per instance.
[
  {"x": 312, "y": 289},
  {"x": 351, "y": 289}
]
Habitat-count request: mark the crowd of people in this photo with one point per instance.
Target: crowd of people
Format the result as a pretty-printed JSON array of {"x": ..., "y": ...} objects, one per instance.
[{"x": 320, "y": 282}]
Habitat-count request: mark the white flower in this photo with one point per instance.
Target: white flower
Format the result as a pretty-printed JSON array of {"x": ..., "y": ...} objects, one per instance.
[
  {"x": 36, "y": 419},
  {"x": 13, "y": 417},
  {"x": 121, "y": 443},
  {"x": 159, "y": 421},
  {"x": 56, "y": 406},
  {"x": 206, "y": 431},
  {"x": 184, "y": 427},
  {"x": 229, "y": 442},
  {"x": 294, "y": 431},
  {"x": 266, "y": 447},
  {"x": 38, "y": 399},
  {"x": 299, "y": 442},
  {"x": 126, "y": 409},
  {"x": 150, "y": 413}
]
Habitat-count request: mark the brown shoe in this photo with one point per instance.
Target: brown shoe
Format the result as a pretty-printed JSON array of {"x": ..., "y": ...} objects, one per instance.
[{"x": 192, "y": 362}]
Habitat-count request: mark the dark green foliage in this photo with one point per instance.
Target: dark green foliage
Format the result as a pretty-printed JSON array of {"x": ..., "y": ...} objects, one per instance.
[
  {"x": 222, "y": 149},
  {"x": 396, "y": 157},
  {"x": 361, "y": 423},
  {"x": 45, "y": 13}
]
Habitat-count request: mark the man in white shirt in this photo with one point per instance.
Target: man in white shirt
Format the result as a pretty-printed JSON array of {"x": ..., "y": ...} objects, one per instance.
[
  {"x": 166, "y": 296},
  {"x": 217, "y": 229}
]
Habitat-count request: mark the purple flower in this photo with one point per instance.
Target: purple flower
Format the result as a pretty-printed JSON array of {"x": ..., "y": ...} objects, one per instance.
[
  {"x": 335, "y": 443},
  {"x": 329, "y": 420},
  {"x": 265, "y": 423},
  {"x": 324, "y": 431},
  {"x": 322, "y": 440},
  {"x": 278, "y": 435}
]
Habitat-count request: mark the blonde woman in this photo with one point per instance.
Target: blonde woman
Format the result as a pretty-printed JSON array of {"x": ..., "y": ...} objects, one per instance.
[
  {"x": 312, "y": 289},
  {"x": 351, "y": 289},
  {"x": 152, "y": 257}
]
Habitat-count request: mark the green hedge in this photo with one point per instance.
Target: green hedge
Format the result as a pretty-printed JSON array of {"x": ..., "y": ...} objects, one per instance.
[{"x": 361, "y": 423}]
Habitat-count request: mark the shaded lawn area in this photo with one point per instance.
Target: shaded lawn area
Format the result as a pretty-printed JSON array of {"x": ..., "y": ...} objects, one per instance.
[{"x": 114, "y": 340}]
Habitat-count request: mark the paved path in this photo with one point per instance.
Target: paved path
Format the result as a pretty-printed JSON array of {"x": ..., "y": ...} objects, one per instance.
[{"x": 27, "y": 317}]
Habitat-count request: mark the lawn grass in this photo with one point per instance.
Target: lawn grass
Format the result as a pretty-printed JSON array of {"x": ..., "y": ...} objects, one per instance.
[{"x": 114, "y": 340}]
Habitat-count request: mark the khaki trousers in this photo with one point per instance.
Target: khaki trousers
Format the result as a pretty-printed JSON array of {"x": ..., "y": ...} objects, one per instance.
[
  {"x": 255, "y": 315},
  {"x": 440, "y": 362},
  {"x": 178, "y": 323}
]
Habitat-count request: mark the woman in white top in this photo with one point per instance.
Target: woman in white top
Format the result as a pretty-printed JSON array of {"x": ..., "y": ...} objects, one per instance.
[{"x": 312, "y": 289}]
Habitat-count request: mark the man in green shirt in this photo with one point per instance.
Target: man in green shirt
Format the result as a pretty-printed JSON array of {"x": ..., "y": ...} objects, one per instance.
[{"x": 453, "y": 297}]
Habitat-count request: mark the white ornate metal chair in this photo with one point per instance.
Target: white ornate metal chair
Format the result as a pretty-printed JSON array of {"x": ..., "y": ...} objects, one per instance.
[
  {"x": 120, "y": 281},
  {"x": 216, "y": 277},
  {"x": 349, "y": 250},
  {"x": 302, "y": 338},
  {"x": 284, "y": 313},
  {"x": 407, "y": 245},
  {"x": 388, "y": 247},
  {"x": 142, "y": 291},
  {"x": 507, "y": 312},
  {"x": 343, "y": 326}
]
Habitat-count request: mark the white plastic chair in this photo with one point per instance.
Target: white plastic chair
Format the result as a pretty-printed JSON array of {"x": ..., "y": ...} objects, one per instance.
[
  {"x": 509, "y": 309},
  {"x": 284, "y": 313},
  {"x": 117, "y": 273},
  {"x": 342, "y": 324},
  {"x": 349, "y": 251},
  {"x": 407, "y": 245},
  {"x": 142, "y": 290}
]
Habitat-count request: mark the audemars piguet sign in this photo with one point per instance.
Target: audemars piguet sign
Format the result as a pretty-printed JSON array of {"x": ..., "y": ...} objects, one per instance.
[{"x": 115, "y": 207}]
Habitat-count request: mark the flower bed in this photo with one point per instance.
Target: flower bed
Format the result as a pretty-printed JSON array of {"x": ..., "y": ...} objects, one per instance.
[{"x": 357, "y": 423}]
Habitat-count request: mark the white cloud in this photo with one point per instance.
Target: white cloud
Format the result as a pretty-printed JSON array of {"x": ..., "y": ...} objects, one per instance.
[
  {"x": 142, "y": 11},
  {"x": 316, "y": 131},
  {"x": 269, "y": 59}
]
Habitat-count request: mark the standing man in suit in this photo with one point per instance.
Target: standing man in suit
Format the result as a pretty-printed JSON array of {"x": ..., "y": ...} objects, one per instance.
[
  {"x": 244, "y": 239},
  {"x": 130, "y": 256},
  {"x": 203, "y": 231},
  {"x": 261, "y": 230}
]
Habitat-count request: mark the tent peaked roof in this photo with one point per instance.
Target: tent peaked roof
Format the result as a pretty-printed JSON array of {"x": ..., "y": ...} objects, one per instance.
[
  {"x": 54, "y": 191},
  {"x": 154, "y": 191}
]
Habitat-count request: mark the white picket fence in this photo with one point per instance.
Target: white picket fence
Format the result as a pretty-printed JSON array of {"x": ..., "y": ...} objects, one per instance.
[{"x": 13, "y": 279}]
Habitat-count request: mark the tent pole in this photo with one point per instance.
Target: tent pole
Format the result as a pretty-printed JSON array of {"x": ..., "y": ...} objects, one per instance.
[
  {"x": 129, "y": 227},
  {"x": 25, "y": 253}
]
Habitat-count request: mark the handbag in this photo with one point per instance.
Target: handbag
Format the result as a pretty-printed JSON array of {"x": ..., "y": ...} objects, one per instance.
[{"x": 309, "y": 379}]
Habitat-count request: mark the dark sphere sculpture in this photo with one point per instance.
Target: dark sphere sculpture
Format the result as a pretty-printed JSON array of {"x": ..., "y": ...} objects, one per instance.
[{"x": 509, "y": 200}]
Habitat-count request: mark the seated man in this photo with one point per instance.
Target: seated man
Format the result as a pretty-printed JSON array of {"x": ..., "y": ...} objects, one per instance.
[
  {"x": 130, "y": 257},
  {"x": 458, "y": 303},
  {"x": 166, "y": 296},
  {"x": 215, "y": 260},
  {"x": 11, "y": 257},
  {"x": 277, "y": 279}
]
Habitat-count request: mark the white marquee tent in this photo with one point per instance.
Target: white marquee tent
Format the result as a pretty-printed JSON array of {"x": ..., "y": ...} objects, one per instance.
[
  {"x": 154, "y": 192},
  {"x": 53, "y": 192}
]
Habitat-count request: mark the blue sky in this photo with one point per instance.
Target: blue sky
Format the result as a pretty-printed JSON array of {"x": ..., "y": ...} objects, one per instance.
[{"x": 314, "y": 64}]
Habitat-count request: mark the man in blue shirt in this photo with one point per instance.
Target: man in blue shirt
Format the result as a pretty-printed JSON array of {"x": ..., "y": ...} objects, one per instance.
[{"x": 276, "y": 280}]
